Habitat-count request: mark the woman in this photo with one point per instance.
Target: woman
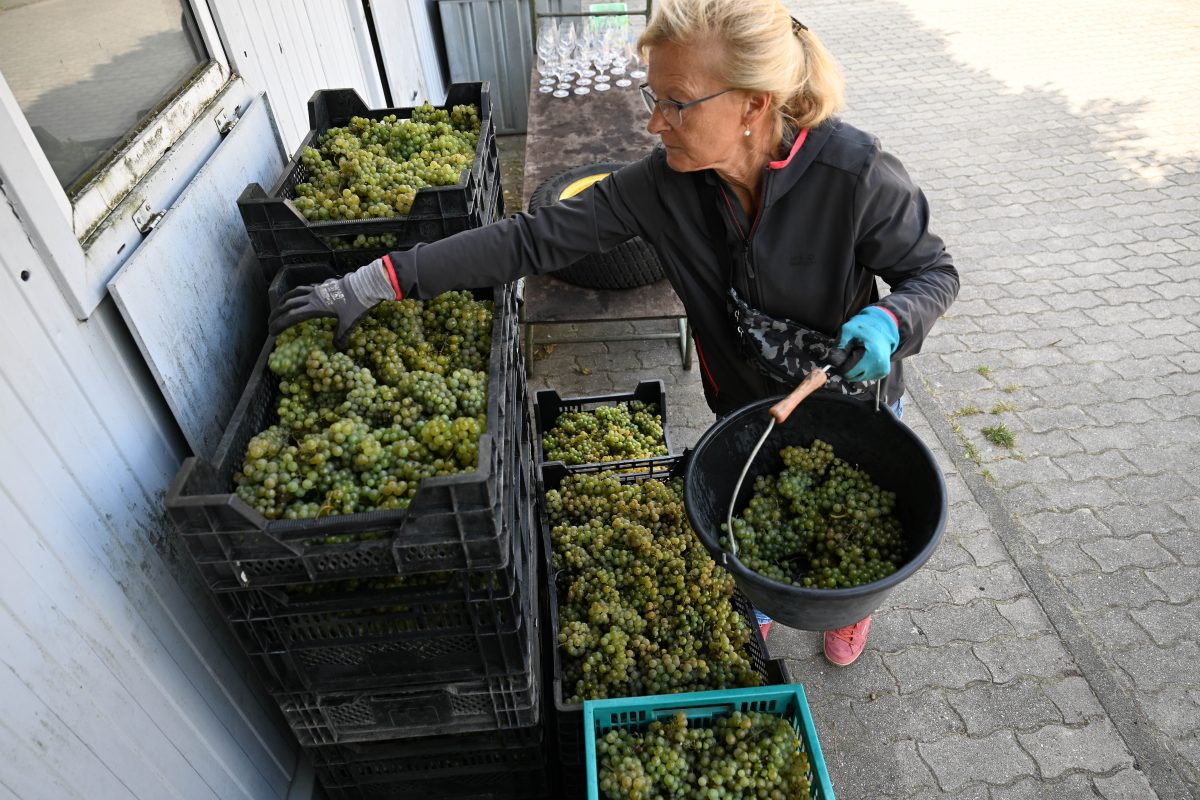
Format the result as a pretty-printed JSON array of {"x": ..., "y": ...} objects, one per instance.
[{"x": 771, "y": 218}]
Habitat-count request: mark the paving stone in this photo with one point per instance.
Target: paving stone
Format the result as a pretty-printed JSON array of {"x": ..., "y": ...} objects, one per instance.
[
  {"x": 1082, "y": 467},
  {"x": 1128, "y": 589},
  {"x": 923, "y": 717},
  {"x": 1046, "y": 419},
  {"x": 948, "y": 555},
  {"x": 1080, "y": 525},
  {"x": 1021, "y": 705},
  {"x": 1153, "y": 489},
  {"x": 1129, "y": 520},
  {"x": 952, "y": 666},
  {"x": 1095, "y": 747},
  {"x": 1070, "y": 787},
  {"x": 1069, "y": 495},
  {"x": 985, "y": 548},
  {"x": 1170, "y": 623},
  {"x": 999, "y": 582},
  {"x": 1010, "y": 658},
  {"x": 1064, "y": 558},
  {"x": 1113, "y": 553},
  {"x": 1175, "y": 710},
  {"x": 913, "y": 777},
  {"x": 1073, "y": 696},
  {"x": 1179, "y": 582},
  {"x": 1127, "y": 784},
  {"x": 1155, "y": 668},
  {"x": 1183, "y": 545},
  {"x": 1026, "y": 616},
  {"x": 977, "y": 622},
  {"x": 919, "y": 592},
  {"x": 809, "y": 667},
  {"x": 959, "y": 761},
  {"x": 1010, "y": 472}
]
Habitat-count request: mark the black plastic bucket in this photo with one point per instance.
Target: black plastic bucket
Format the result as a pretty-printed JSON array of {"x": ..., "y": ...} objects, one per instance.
[{"x": 875, "y": 441}]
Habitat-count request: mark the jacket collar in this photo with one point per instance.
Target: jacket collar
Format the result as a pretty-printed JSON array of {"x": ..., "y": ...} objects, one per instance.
[{"x": 782, "y": 175}]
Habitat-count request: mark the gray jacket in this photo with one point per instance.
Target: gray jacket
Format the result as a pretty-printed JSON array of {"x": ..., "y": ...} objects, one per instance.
[{"x": 834, "y": 215}]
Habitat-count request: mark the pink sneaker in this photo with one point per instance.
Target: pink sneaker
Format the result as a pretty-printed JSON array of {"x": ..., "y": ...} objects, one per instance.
[{"x": 845, "y": 645}]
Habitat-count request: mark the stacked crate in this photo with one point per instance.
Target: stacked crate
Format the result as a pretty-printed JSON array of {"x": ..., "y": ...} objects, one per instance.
[
  {"x": 568, "y": 720},
  {"x": 403, "y": 647},
  {"x": 281, "y": 235}
]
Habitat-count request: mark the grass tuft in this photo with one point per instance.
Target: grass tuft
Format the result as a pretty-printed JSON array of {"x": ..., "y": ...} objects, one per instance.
[{"x": 999, "y": 435}]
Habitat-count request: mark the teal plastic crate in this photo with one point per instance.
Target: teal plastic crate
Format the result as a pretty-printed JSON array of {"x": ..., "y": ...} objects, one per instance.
[{"x": 636, "y": 713}]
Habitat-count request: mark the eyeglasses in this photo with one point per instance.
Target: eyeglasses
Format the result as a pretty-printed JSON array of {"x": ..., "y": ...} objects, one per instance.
[{"x": 672, "y": 110}]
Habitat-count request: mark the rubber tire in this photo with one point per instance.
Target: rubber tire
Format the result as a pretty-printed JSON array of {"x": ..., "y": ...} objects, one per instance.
[{"x": 626, "y": 266}]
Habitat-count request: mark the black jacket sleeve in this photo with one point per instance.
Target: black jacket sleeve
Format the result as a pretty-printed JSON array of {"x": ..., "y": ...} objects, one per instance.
[
  {"x": 552, "y": 238},
  {"x": 894, "y": 242}
]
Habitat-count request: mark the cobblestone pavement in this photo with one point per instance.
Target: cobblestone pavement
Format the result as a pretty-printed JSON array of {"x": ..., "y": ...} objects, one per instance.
[{"x": 1051, "y": 647}]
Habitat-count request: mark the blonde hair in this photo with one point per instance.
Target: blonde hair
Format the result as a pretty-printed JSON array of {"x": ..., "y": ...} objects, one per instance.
[{"x": 763, "y": 50}]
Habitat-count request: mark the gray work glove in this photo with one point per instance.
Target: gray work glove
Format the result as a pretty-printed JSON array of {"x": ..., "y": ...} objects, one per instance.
[{"x": 347, "y": 299}]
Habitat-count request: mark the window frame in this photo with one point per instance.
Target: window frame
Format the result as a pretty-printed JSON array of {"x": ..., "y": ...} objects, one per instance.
[{"x": 86, "y": 239}]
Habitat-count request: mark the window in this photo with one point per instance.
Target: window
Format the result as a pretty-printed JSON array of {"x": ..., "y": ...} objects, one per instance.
[
  {"x": 89, "y": 74},
  {"x": 107, "y": 109}
]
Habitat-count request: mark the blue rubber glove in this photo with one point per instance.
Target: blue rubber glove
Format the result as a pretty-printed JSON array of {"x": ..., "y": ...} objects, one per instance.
[{"x": 880, "y": 336}]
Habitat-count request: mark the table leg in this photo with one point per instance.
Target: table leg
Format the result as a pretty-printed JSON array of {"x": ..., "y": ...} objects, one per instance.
[{"x": 686, "y": 345}]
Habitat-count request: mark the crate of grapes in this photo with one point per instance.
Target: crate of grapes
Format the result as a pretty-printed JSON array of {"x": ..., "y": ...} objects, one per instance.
[
  {"x": 602, "y": 428},
  {"x": 767, "y": 732},
  {"x": 727, "y": 618},
  {"x": 367, "y": 181},
  {"x": 496, "y": 765},
  {"x": 452, "y": 520},
  {"x": 444, "y": 626},
  {"x": 491, "y": 703}
]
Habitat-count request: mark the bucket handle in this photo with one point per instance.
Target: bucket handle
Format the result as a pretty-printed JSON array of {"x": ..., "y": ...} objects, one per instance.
[{"x": 779, "y": 413}]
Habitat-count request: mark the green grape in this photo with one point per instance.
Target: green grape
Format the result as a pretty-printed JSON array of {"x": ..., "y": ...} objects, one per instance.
[
  {"x": 609, "y": 433},
  {"x": 358, "y": 429},
  {"x": 819, "y": 523},
  {"x": 643, "y": 608}
]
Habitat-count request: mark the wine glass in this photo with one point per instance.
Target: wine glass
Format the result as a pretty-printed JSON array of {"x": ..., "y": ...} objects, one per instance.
[
  {"x": 566, "y": 46},
  {"x": 583, "y": 57},
  {"x": 586, "y": 45},
  {"x": 637, "y": 72},
  {"x": 547, "y": 51},
  {"x": 622, "y": 55}
]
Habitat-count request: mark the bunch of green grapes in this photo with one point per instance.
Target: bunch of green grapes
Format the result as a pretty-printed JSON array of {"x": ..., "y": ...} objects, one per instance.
[
  {"x": 372, "y": 169},
  {"x": 745, "y": 754},
  {"x": 643, "y": 608},
  {"x": 609, "y": 433},
  {"x": 358, "y": 429},
  {"x": 820, "y": 523}
]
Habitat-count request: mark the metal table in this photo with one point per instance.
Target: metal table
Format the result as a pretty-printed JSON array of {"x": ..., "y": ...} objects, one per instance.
[{"x": 570, "y": 132}]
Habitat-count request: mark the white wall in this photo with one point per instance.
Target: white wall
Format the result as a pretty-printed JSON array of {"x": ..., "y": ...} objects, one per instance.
[
  {"x": 119, "y": 678},
  {"x": 291, "y": 48}
]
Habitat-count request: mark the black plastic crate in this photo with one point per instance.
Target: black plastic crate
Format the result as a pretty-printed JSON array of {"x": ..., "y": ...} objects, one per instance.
[
  {"x": 549, "y": 405},
  {"x": 453, "y": 522},
  {"x": 448, "y": 627},
  {"x": 509, "y": 765},
  {"x": 497, "y": 702},
  {"x": 568, "y": 717},
  {"x": 280, "y": 234}
]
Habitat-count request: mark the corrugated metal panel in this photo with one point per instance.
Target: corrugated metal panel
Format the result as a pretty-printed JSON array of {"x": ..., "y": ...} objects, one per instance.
[
  {"x": 119, "y": 679},
  {"x": 409, "y": 51},
  {"x": 490, "y": 40},
  {"x": 200, "y": 329},
  {"x": 290, "y": 49}
]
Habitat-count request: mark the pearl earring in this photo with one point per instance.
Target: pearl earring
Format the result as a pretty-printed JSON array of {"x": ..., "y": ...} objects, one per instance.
[{"x": 746, "y": 132}]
